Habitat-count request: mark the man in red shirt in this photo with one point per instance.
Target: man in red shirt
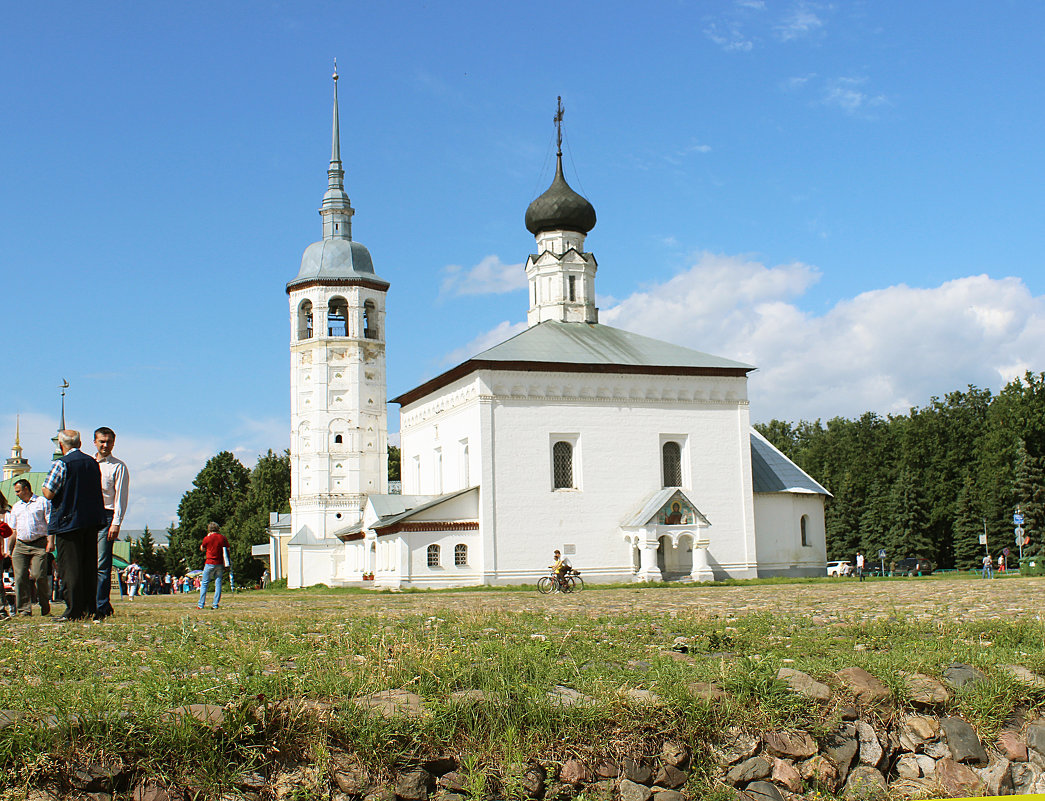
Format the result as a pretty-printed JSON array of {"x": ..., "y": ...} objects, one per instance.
[{"x": 214, "y": 546}]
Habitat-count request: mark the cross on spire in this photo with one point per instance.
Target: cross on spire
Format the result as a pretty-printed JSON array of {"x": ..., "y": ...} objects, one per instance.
[{"x": 558, "y": 126}]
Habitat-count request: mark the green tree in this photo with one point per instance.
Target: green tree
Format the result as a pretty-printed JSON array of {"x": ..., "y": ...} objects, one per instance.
[
  {"x": 394, "y": 472},
  {"x": 145, "y": 553},
  {"x": 217, "y": 492},
  {"x": 1029, "y": 491},
  {"x": 909, "y": 529},
  {"x": 967, "y": 527},
  {"x": 268, "y": 491}
]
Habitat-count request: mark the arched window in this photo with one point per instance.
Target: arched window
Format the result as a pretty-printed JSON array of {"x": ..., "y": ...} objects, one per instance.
[
  {"x": 803, "y": 526},
  {"x": 338, "y": 439},
  {"x": 671, "y": 459},
  {"x": 337, "y": 318},
  {"x": 305, "y": 320},
  {"x": 460, "y": 555},
  {"x": 433, "y": 556},
  {"x": 562, "y": 459},
  {"x": 370, "y": 320}
]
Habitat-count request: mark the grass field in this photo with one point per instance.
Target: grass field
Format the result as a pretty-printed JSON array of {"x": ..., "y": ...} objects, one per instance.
[{"x": 287, "y": 669}]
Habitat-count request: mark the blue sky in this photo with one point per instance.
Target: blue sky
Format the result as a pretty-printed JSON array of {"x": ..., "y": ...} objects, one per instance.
[{"x": 848, "y": 195}]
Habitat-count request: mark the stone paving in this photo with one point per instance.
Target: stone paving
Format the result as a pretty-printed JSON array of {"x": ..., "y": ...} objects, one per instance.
[{"x": 920, "y": 599}]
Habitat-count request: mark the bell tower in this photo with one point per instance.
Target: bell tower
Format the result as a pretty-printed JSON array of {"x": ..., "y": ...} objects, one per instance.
[{"x": 339, "y": 428}]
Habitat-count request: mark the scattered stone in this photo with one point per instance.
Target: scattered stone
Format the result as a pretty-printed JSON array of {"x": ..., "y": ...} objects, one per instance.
[
  {"x": 907, "y": 767},
  {"x": 413, "y": 785},
  {"x": 351, "y": 779},
  {"x": 439, "y": 795},
  {"x": 865, "y": 783},
  {"x": 674, "y": 754},
  {"x": 926, "y": 763},
  {"x": 804, "y": 684},
  {"x": 437, "y": 766},
  {"x": 996, "y": 778},
  {"x": 453, "y": 782},
  {"x": 380, "y": 794},
  {"x": 822, "y": 772},
  {"x": 633, "y": 791},
  {"x": 849, "y": 713},
  {"x": 151, "y": 790},
  {"x": 761, "y": 791},
  {"x": 707, "y": 691},
  {"x": 9, "y": 717},
  {"x": 671, "y": 777},
  {"x": 841, "y": 748},
  {"x": 636, "y": 770},
  {"x": 607, "y": 769},
  {"x": 790, "y": 745},
  {"x": 320, "y": 710},
  {"x": 749, "y": 770},
  {"x": 666, "y": 795},
  {"x": 637, "y": 696},
  {"x": 210, "y": 715},
  {"x": 560, "y": 695},
  {"x": 866, "y": 689},
  {"x": 1036, "y": 737},
  {"x": 1023, "y": 676},
  {"x": 1024, "y": 777},
  {"x": 574, "y": 772},
  {"x": 786, "y": 775},
  {"x": 735, "y": 746},
  {"x": 926, "y": 692},
  {"x": 871, "y": 751},
  {"x": 393, "y": 703},
  {"x": 961, "y": 738},
  {"x": 472, "y": 697},
  {"x": 956, "y": 779},
  {"x": 251, "y": 780},
  {"x": 534, "y": 781},
  {"x": 958, "y": 675},
  {"x": 937, "y": 750},
  {"x": 917, "y": 730},
  {"x": 1012, "y": 746}
]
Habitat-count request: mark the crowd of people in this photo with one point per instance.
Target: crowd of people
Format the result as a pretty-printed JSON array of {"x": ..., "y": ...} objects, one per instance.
[{"x": 60, "y": 542}]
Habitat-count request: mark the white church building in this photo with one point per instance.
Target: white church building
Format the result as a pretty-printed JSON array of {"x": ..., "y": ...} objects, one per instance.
[{"x": 634, "y": 457}]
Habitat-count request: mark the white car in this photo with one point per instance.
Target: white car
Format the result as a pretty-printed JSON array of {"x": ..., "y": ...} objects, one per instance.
[{"x": 841, "y": 568}]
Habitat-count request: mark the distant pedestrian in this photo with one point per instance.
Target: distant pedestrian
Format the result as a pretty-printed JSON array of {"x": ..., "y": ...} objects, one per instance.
[
  {"x": 1001, "y": 563},
  {"x": 987, "y": 567},
  {"x": 214, "y": 546},
  {"x": 860, "y": 565},
  {"x": 30, "y": 554},
  {"x": 74, "y": 488}
]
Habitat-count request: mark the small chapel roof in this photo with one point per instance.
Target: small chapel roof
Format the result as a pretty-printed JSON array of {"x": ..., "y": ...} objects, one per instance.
[
  {"x": 771, "y": 471},
  {"x": 588, "y": 348}
]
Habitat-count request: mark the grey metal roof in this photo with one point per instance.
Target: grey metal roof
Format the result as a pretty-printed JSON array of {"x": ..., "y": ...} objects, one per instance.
[
  {"x": 771, "y": 471},
  {"x": 336, "y": 258},
  {"x": 306, "y": 536},
  {"x": 395, "y": 508},
  {"x": 594, "y": 343}
]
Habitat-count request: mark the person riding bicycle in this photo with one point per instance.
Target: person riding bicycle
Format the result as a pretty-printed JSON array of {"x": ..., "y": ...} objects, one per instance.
[{"x": 560, "y": 568}]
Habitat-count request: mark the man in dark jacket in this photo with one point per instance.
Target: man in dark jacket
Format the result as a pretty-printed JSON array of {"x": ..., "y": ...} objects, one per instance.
[{"x": 74, "y": 488}]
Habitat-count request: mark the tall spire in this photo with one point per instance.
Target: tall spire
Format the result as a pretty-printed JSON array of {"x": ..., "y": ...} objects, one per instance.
[
  {"x": 336, "y": 210},
  {"x": 18, "y": 438},
  {"x": 61, "y": 425},
  {"x": 16, "y": 465}
]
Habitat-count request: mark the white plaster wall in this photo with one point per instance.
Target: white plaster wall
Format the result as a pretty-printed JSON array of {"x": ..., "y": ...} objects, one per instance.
[
  {"x": 777, "y": 516},
  {"x": 442, "y": 423}
]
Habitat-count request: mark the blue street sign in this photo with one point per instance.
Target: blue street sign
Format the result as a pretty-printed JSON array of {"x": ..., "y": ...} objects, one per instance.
[
  {"x": 1017, "y": 520},
  {"x": 881, "y": 554}
]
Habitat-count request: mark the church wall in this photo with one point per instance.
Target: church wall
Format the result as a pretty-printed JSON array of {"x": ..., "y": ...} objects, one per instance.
[
  {"x": 778, "y": 524},
  {"x": 447, "y": 573},
  {"x": 617, "y": 425}
]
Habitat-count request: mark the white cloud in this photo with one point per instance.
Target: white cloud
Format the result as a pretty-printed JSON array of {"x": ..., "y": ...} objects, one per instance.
[
  {"x": 489, "y": 277},
  {"x": 884, "y": 350},
  {"x": 495, "y": 336},
  {"x": 849, "y": 95},
  {"x": 800, "y": 21},
  {"x": 729, "y": 36}
]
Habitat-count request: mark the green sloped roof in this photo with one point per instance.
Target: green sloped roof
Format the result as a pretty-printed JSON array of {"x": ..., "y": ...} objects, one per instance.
[
  {"x": 771, "y": 471},
  {"x": 35, "y": 479}
]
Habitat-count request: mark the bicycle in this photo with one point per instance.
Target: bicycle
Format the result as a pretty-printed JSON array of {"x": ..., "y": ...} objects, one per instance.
[{"x": 571, "y": 582}]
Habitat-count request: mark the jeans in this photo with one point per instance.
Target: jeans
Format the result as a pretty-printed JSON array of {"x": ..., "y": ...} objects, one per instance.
[
  {"x": 104, "y": 567},
  {"x": 215, "y": 573}
]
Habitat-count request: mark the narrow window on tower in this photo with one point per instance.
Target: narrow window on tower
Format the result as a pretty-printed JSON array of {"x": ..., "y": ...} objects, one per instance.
[
  {"x": 803, "y": 530},
  {"x": 370, "y": 320},
  {"x": 305, "y": 320},
  {"x": 573, "y": 288}
]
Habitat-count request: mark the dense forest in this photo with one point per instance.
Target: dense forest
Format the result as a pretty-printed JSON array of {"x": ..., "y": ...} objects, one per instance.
[{"x": 929, "y": 483}]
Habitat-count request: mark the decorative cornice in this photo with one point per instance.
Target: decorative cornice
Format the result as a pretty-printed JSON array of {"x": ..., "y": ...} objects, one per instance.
[{"x": 380, "y": 286}]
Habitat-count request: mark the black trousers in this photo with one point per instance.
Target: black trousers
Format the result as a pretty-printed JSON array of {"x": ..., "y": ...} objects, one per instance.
[{"x": 77, "y": 564}]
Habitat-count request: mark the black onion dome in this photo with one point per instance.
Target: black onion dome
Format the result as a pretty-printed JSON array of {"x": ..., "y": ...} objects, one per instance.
[{"x": 560, "y": 208}]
